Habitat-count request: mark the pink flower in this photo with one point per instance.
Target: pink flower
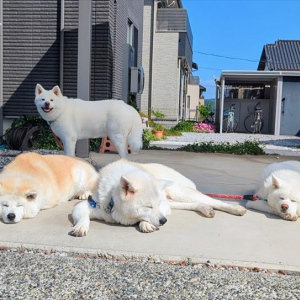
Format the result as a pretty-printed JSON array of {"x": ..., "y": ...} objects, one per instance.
[{"x": 204, "y": 127}]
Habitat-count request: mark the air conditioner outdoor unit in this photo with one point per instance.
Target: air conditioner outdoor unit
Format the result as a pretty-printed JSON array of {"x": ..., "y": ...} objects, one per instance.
[{"x": 137, "y": 80}]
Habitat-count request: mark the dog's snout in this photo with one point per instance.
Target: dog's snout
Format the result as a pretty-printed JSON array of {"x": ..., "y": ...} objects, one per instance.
[
  {"x": 11, "y": 216},
  {"x": 284, "y": 207},
  {"x": 162, "y": 221},
  {"x": 47, "y": 104}
]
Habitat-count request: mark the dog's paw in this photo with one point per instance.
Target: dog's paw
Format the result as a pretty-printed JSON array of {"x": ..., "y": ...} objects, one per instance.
[
  {"x": 147, "y": 227},
  {"x": 240, "y": 210},
  {"x": 79, "y": 230},
  {"x": 290, "y": 217},
  {"x": 84, "y": 196},
  {"x": 208, "y": 212}
]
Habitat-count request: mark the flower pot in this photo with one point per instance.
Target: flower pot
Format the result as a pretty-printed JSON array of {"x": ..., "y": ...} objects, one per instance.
[{"x": 158, "y": 133}]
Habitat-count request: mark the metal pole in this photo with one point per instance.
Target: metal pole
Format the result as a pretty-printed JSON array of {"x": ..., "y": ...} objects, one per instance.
[
  {"x": 222, "y": 102},
  {"x": 278, "y": 106},
  {"x": 62, "y": 28},
  {"x": 1, "y": 67},
  {"x": 84, "y": 63}
]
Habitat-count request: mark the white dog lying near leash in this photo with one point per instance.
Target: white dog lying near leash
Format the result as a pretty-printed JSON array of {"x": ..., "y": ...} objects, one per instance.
[
  {"x": 75, "y": 119},
  {"x": 32, "y": 182},
  {"x": 279, "y": 185},
  {"x": 130, "y": 193}
]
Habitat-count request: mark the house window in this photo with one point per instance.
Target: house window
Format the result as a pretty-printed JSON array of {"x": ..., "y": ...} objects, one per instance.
[
  {"x": 188, "y": 102},
  {"x": 130, "y": 33},
  {"x": 133, "y": 39}
]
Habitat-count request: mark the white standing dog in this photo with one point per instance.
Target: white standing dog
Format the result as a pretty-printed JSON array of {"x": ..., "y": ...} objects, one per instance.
[
  {"x": 75, "y": 119},
  {"x": 32, "y": 182},
  {"x": 131, "y": 193},
  {"x": 279, "y": 190}
]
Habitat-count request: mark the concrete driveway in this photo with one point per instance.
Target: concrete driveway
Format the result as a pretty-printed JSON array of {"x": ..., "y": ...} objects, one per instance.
[{"x": 254, "y": 240}]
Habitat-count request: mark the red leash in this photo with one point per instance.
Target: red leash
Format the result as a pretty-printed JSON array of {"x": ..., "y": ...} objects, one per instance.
[{"x": 236, "y": 197}]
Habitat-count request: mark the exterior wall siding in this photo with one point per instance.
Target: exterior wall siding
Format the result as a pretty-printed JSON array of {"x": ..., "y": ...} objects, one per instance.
[
  {"x": 32, "y": 49},
  {"x": 70, "y": 48},
  {"x": 31, "y": 52},
  {"x": 124, "y": 11},
  {"x": 165, "y": 94}
]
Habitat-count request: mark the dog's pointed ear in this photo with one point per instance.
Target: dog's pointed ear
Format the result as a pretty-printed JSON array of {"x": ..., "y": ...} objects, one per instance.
[
  {"x": 127, "y": 185},
  {"x": 56, "y": 91},
  {"x": 276, "y": 182},
  {"x": 38, "y": 89},
  {"x": 165, "y": 183},
  {"x": 31, "y": 195}
]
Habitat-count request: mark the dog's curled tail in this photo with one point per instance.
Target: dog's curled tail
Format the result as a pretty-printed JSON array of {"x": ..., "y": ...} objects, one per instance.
[{"x": 135, "y": 135}]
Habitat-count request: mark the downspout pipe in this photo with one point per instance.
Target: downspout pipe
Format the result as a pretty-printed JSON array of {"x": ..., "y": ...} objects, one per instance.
[
  {"x": 61, "y": 50},
  {"x": 1, "y": 67}
]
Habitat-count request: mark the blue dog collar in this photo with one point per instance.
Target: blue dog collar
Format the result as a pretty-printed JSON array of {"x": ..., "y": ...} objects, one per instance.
[
  {"x": 111, "y": 205},
  {"x": 92, "y": 202}
]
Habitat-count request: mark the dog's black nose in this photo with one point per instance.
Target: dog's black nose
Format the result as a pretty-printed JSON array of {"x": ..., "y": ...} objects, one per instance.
[
  {"x": 162, "y": 221},
  {"x": 11, "y": 217},
  {"x": 47, "y": 104}
]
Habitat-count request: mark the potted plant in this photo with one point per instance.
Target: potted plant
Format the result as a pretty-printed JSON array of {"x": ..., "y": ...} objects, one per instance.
[{"x": 158, "y": 130}]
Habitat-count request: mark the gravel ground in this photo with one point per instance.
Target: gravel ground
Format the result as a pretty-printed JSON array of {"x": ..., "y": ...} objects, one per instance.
[{"x": 59, "y": 276}]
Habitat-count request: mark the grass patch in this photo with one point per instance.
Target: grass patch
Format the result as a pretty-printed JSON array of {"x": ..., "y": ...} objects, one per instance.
[{"x": 248, "y": 147}]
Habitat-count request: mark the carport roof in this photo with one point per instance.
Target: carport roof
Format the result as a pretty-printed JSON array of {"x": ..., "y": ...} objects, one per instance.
[{"x": 257, "y": 74}]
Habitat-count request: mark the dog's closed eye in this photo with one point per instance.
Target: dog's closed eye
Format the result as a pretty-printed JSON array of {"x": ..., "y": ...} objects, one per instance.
[
  {"x": 5, "y": 205},
  {"x": 18, "y": 205},
  {"x": 281, "y": 198},
  {"x": 149, "y": 206}
]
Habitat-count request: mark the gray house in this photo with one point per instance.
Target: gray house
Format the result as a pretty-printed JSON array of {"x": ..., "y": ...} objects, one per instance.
[
  {"x": 167, "y": 58},
  {"x": 276, "y": 86},
  {"x": 39, "y": 44}
]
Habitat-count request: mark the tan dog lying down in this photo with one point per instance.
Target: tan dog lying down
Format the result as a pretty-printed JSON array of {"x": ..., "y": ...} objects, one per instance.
[{"x": 33, "y": 182}]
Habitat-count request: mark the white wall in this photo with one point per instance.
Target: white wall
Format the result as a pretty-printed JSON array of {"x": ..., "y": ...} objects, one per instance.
[{"x": 166, "y": 74}]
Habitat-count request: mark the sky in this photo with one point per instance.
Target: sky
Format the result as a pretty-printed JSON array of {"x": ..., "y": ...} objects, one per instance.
[{"x": 237, "y": 29}]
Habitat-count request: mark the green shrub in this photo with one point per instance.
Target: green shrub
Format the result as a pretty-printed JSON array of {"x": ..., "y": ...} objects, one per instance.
[
  {"x": 147, "y": 137},
  {"x": 248, "y": 147},
  {"x": 205, "y": 110},
  {"x": 172, "y": 132},
  {"x": 185, "y": 126},
  {"x": 157, "y": 114}
]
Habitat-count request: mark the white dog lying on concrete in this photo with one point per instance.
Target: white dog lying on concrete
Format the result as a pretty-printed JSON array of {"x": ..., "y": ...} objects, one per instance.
[
  {"x": 130, "y": 193},
  {"x": 279, "y": 185},
  {"x": 32, "y": 182},
  {"x": 75, "y": 119}
]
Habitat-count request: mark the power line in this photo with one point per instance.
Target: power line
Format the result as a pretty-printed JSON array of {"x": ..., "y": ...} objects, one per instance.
[
  {"x": 207, "y": 68},
  {"x": 228, "y": 57}
]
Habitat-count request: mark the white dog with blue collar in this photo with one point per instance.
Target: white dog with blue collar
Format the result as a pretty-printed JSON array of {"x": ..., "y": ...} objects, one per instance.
[{"x": 131, "y": 193}]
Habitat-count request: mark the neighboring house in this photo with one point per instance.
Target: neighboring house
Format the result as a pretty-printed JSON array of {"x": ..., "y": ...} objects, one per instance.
[
  {"x": 194, "y": 97},
  {"x": 201, "y": 96},
  {"x": 167, "y": 58},
  {"x": 40, "y": 40},
  {"x": 276, "y": 85},
  {"x": 284, "y": 55}
]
